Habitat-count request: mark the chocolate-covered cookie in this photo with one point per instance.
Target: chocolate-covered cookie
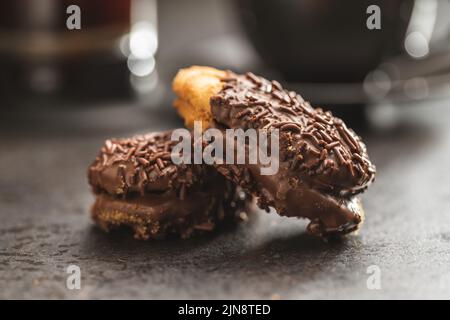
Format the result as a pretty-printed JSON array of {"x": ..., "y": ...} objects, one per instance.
[
  {"x": 137, "y": 185},
  {"x": 323, "y": 165}
]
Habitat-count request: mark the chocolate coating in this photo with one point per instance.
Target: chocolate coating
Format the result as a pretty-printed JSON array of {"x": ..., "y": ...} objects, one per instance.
[
  {"x": 317, "y": 147},
  {"x": 323, "y": 164},
  {"x": 137, "y": 185},
  {"x": 142, "y": 164}
]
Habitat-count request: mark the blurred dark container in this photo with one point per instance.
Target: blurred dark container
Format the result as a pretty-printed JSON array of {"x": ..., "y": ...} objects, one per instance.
[
  {"x": 39, "y": 55},
  {"x": 324, "y": 40}
]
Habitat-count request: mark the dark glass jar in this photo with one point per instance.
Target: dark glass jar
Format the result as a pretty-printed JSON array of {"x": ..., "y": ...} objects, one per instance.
[{"x": 39, "y": 55}]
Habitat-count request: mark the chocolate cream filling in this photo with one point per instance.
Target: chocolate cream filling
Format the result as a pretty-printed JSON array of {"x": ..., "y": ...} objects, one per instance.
[{"x": 155, "y": 215}]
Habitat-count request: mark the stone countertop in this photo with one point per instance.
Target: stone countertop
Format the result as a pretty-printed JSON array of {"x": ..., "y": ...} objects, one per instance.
[{"x": 45, "y": 224}]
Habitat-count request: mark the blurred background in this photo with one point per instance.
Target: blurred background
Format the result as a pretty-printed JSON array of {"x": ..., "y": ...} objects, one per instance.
[{"x": 127, "y": 51}]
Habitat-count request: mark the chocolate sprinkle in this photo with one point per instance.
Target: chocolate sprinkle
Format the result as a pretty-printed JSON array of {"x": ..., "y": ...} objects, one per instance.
[
  {"x": 324, "y": 139},
  {"x": 139, "y": 160}
]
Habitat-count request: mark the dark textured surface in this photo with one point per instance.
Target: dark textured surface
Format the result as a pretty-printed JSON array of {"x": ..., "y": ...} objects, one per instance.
[{"x": 45, "y": 226}]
